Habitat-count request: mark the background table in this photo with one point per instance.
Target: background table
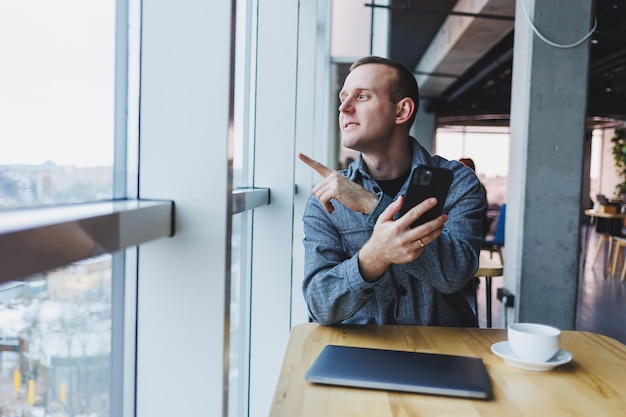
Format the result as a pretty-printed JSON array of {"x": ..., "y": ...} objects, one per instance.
[
  {"x": 488, "y": 268},
  {"x": 593, "y": 384}
]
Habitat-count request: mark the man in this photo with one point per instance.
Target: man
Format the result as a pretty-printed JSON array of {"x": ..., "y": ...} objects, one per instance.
[{"x": 361, "y": 264}]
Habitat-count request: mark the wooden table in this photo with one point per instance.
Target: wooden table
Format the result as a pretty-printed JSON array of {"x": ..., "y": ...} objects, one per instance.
[
  {"x": 592, "y": 384},
  {"x": 592, "y": 213},
  {"x": 488, "y": 268}
]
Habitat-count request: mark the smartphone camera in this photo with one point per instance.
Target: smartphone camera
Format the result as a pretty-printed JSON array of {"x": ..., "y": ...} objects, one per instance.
[{"x": 422, "y": 177}]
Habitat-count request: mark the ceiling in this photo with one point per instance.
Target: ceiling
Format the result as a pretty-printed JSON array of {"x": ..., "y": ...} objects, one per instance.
[{"x": 464, "y": 68}]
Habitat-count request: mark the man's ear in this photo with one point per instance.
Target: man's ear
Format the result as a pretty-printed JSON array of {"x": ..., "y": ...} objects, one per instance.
[{"x": 404, "y": 110}]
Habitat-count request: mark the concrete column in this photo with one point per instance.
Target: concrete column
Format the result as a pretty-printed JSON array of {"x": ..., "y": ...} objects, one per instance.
[{"x": 547, "y": 143}]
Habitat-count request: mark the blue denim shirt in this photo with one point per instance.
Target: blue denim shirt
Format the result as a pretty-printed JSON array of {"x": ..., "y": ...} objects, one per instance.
[{"x": 427, "y": 291}]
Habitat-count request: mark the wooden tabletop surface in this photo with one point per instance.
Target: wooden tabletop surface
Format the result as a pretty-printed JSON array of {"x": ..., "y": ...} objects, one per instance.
[
  {"x": 592, "y": 213},
  {"x": 592, "y": 384},
  {"x": 488, "y": 266}
]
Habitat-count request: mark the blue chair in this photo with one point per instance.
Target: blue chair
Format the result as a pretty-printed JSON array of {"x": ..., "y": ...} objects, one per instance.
[{"x": 495, "y": 243}]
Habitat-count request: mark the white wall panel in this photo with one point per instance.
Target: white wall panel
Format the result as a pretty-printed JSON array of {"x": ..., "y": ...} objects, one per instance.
[{"x": 184, "y": 125}]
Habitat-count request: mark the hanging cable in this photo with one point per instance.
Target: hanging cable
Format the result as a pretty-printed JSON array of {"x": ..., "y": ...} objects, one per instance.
[{"x": 549, "y": 42}]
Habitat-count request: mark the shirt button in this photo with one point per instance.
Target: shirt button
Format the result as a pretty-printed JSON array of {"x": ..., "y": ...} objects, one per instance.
[
  {"x": 368, "y": 291},
  {"x": 402, "y": 290},
  {"x": 376, "y": 190}
]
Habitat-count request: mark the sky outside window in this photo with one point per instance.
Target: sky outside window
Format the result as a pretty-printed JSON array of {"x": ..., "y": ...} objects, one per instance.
[{"x": 57, "y": 82}]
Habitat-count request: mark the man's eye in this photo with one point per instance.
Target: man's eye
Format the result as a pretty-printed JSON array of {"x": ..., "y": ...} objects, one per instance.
[{"x": 362, "y": 96}]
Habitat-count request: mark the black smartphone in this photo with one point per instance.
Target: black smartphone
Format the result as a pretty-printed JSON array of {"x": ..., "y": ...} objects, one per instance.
[{"x": 426, "y": 182}]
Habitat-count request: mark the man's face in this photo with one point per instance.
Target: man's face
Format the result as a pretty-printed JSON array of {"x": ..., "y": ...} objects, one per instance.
[{"x": 366, "y": 114}]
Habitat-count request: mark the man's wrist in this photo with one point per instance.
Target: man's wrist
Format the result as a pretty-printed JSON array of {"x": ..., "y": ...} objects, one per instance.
[
  {"x": 372, "y": 202},
  {"x": 370, "y": 267}
]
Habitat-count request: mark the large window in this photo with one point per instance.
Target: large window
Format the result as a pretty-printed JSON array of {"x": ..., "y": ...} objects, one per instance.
[
  {"x": 63, "y": 110},
  {"x": 57, "y": 102},
  {"x": 55, "y": 341},
  {"x": 168, "y": 327}
]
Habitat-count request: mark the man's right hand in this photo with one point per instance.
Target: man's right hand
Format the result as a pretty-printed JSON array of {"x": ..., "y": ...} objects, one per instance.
[
  {"x": 395, "y": 242},
  {"x": 336, "y": 186}
]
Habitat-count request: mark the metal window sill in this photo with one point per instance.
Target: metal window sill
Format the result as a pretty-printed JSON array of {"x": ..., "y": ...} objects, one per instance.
[{"x": 39, "y": 239}]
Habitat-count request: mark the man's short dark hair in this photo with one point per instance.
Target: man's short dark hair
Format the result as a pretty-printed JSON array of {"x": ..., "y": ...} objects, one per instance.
[{"x": 403, "y": 86}]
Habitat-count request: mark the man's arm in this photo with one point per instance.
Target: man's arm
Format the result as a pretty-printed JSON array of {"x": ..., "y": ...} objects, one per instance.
[
  {"x": 333, "y": 287},
  {"x": 391, "y": 242},
  {"x": 337, "y": 284},
  {"x": 450, "y": 261}
]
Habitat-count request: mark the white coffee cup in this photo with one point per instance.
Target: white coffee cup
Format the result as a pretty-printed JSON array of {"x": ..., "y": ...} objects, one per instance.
[{"x": 533, "y": 342}]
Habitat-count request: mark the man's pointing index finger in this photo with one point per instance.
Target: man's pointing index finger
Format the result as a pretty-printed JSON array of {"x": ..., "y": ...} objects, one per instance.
[{"x": 321, "y": 169}]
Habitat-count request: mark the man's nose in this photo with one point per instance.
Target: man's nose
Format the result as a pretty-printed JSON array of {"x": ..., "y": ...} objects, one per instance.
[{"x": 346, "y": 105}]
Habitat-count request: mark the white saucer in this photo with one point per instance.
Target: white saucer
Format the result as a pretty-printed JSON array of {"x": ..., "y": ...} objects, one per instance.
[{"x": 503, "y": 350}]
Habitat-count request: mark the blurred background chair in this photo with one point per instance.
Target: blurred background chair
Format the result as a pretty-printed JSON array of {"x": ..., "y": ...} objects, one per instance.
[
  {"x": 608, "y": 230},
  {"x": 618, "y": 255},
  {"x": 495, "y": 242}
]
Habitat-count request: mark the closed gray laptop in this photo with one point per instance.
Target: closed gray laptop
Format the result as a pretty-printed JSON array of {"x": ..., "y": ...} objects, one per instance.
[{"x": 425, "y": 373}]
